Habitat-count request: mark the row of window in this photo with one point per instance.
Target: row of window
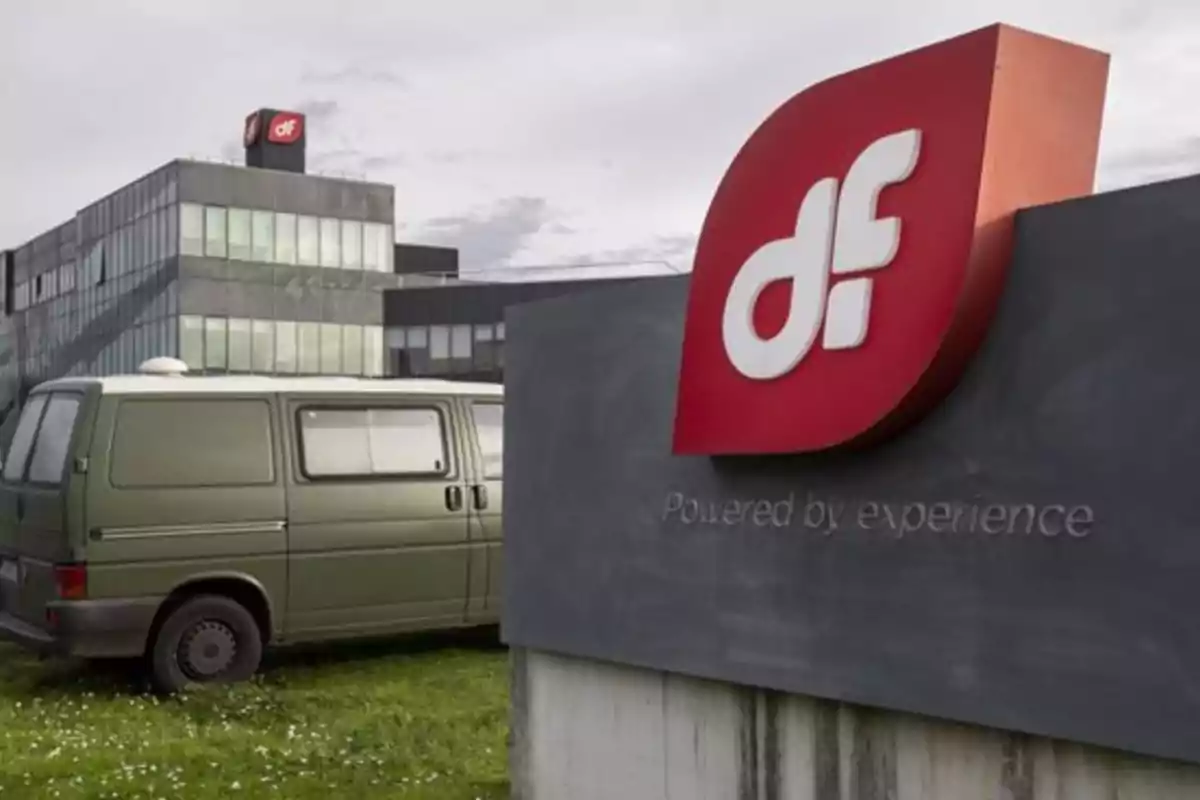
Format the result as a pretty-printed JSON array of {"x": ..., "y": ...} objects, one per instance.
[
  {"x": 446, "y": 349},
  {"x": 149, "y": 196},
  {"x": 242, "y": 234},
  {"x": 266, "y": 346},
  {"x": 152, "y": 192},
  {"x": 121, "y": 353},
  {"x": 129, "y": 248},
  {"x": 238, "y": 234},
  {"x": 342, "y": 443}
]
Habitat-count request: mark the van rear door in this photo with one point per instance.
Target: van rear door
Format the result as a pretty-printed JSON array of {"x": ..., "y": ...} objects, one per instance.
[
  {"x": 33, "y": 504},
  {"x": 485, "y": 423}
]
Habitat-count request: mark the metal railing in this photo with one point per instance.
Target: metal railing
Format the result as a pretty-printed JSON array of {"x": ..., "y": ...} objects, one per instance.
[{"x": 598, "y": 270}]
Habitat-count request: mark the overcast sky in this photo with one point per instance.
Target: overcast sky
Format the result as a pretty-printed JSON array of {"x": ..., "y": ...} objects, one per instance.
[{"x": 525, "y": 133}]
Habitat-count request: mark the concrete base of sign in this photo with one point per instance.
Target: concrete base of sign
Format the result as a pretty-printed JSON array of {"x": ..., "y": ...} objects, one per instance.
[{"x": 589, "y": 730}]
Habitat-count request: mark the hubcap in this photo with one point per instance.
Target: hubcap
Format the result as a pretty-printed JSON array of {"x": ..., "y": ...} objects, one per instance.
[{"x": 207, "y": 649}]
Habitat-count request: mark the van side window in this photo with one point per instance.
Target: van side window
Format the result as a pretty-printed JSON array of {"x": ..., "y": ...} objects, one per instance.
[
  {"x": 190, "y": 442},
  {"x": 53, "y": 439},
  {"x": 362, "y": 442},
  {"x": 489, "y": 429},
  {"x": 22, "y": 442}
]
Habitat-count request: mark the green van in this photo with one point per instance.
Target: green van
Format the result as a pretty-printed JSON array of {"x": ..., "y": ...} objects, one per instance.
[{"x": 194, "y": 520}]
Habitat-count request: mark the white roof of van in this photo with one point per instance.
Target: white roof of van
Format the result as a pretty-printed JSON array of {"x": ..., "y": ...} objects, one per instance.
[{"x": 217, "y": 384}]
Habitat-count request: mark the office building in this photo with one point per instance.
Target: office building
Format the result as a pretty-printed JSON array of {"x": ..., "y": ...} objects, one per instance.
[{"x": 237, "y": 269}]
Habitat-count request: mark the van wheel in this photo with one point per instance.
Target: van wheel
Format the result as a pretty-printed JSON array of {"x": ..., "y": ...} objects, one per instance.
[{"x": 208, "y": 639}]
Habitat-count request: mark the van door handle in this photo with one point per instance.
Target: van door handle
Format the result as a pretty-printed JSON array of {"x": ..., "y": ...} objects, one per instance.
[
  {"x": 454, "y": 498},
  {"x": 480, "y": 496}
]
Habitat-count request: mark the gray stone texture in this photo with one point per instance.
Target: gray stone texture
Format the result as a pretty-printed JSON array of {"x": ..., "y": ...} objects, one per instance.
[{"x": 1084, "y": 395}]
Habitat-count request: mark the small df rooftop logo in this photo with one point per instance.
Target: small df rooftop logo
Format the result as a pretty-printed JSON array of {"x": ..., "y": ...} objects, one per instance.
[
  {"x": 837, "y": 234},
  {"x": 285, "y": 128}
]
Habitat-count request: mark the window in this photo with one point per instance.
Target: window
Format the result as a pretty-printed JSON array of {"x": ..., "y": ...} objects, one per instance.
[
  {"x": 239, "y": 234},
  {"x": 330, "y": 244},
  {"x": 460, "y": 342},
  {"x": 285, "y": 238},
  {"x": 119, "y": 247},
  {"x": 129, "y": 244},
  {"x": 352, "y": 349},
  {"x": 191, "y": 229},
  {"x": 164, "y": 239},
  {"x": 307, "y": 238},
  {"x": 489, "y": 429},
  {"x": 172, "y": 225},
  {"x": 263, "y": 223},
  {"x": 263, "y": 345},
  {"x": 368, "y": 442},
  {"x": 485, "y": 346},
  {"x": 239, "y": 345},
  {"x": 209, "y": 442},
  {"x": 372, "y": 233},
  {"x": 387, "y": 250},
  {"x": 22, "y": 441},
  {"x": 285, "y": 347},
  {"x": 214, "y": 232},
  {"x": 331, "y": 348},
  {"x": 417, "y": 347},
  {"x": 214, "y": 343},
  {"x": 372, "y": 350},
  {"x": 54, "y": 437},
  {"x": 352, "y": 239},
  {"x": 149, "y": 238},
  {"x": 309, "y": 347},
  {"x": 191, "y": 341},
  {"x": 439, "y": 343}
]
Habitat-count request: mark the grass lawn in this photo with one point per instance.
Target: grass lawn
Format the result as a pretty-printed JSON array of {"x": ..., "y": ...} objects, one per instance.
[{"x": 423, "y": 719}]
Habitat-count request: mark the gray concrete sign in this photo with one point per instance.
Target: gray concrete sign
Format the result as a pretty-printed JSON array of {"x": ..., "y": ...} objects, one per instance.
[{"x": 1025, "y": 557}]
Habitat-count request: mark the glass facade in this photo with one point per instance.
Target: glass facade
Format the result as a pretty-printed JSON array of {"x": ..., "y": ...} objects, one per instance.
[
  {"x": 272, "y": 237},
  {"x": 446, "y": 350},
  {"x": 92, "y": 296},
  {"x": 223, "y": 344},
  {"x": 104, "y": 291}
]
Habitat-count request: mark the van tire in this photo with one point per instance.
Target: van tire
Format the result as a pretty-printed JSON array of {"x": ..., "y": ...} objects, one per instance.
[{"x": 207, "y": 639}]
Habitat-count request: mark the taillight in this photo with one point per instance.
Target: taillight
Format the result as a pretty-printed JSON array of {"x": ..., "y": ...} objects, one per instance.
[{"x": 71, "y": 580}]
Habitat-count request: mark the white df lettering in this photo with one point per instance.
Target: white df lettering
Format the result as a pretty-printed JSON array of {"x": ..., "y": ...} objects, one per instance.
[
  {"x": 835, "y": 234},
  {"x": 285, "y": 129}
]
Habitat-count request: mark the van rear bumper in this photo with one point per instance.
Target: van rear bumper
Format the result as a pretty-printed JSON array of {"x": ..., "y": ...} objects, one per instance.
[{"x": 87, "y": 628}]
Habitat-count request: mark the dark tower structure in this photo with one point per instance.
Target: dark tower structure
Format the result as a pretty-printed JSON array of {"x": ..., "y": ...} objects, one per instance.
[{"x": 275, "y": 139}]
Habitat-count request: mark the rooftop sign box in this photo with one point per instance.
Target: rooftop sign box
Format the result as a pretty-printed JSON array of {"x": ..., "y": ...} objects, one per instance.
[
  {"x": 275, "y": 139},
  {"x": 918, "y": 433},
  {"x": 855, "y": 250}
]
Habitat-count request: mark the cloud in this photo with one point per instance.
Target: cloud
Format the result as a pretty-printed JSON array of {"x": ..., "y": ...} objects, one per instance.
[
  {"x": 355, "y": 74},
  {"x": 1141, "y": 165},
  {"x": 318, "y": 109},
  {"x": 670, "y": 253},
  {"x": 597, "y": 135},
  {"x": 492, "y": 237}
]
